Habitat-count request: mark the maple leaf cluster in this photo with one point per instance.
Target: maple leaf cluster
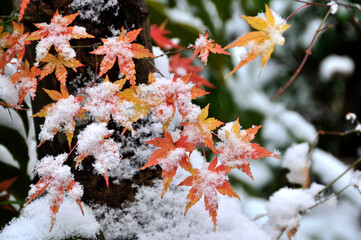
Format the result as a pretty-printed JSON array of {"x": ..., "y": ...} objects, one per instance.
[{"x": 108, "y": 100}]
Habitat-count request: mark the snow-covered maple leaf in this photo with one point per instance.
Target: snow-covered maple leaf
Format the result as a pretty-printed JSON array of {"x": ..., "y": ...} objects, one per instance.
[
  {"x": 60, "y": 116},
  {"x": 182, "y": 66},
  {"x": 57, "y": 179},
  {"x": 15, "y": 44},
  {"x": 200, "y": 130},
  {"x": 236, "y": 149},
  {"x": 122, "y": 49},
  {"x": 57, "y": 34},
  {"x": 105, "y": 101},
  {"x": 270, "y": 27},
  {"x": 58, "y": 64},
  {"x": 94, "y": 140},
  {"x": 203, "y": 45},
  {"x": 157, "y": 34},
  {"x": 165, "y": 96},
  {"x": 207, "y": 181},
  {"x": 169, "y": 156},
  {"x": 26, "y": 81}
]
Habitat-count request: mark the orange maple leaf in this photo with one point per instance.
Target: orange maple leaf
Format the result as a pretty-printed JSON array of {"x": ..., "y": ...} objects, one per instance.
[
  {"x": 157, "y": 34},
  {"x": 26, "y": 81},
  {"x": 58, "y": 64},
  {"x": 23, "y": 6},
  {"x": 235, "y": 148},
  {"x": 182, "y": 66},
  {"x": 60, "y": 115},
  {"x": 15, "y": 44},
  {"x": 49, "y": 169},
  {"x": 201, "y": 129},
  {"x": 57, "y": 34},
  {"x": 169, "y": 156},
  {"x": 125, "y": 51},
  {"x": 262, "y": 42},
  {"x": 207, "y": 182},
  {"x": 202, "y": 47}
]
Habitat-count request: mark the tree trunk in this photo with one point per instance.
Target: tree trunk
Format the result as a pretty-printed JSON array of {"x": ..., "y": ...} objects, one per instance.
[{"x": 132, "y": 14}]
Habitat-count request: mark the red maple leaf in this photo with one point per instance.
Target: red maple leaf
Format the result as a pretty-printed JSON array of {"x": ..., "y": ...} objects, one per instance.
[
  {"x": 57, "y": 34},
  {"x": 157, "y": 34},
  {"x": 4, "y": 187},
  {"x": 15, "y": 44},
  {"x": 207, "y": 182},
  {"x": 26, "y": 81},
  {"x": 169, "y": 156},
  {"x": 123, "y": 50},
  {"x": 55, "y": 178},
  {"x": 235, "y": 148},
  {"x": 202, "y": 47},
  {"x": 183, "y": 66},
  {"x": 23, "y": 5}
]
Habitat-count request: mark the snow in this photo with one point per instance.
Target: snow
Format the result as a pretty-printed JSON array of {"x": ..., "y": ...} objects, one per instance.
[
  {"x": 150, "y": 217},
  {"x": 334, "y": 6},
  {"x": 351, "y": 117},
  {"x": 336, "y": 64},
  {"x": 34, "y": 222},
  {"x": 355, "y": 179},
  {"x": 61, "y": 115},
  {"x": 328, "y": 168},
  {"x": 295, "y": 159},
  {"x": 8, "y": 91},
  {"x": 161, "y": 63},
  {"x": 92, "y": 9},
  {"x": 285, "y": 206}
]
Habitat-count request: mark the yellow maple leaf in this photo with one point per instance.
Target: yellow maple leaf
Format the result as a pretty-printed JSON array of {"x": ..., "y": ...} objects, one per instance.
[{"x": 270, "y": 27}]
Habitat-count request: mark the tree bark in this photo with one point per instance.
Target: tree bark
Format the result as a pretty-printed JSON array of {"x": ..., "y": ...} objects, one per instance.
[{"x": 132, "y": 14}]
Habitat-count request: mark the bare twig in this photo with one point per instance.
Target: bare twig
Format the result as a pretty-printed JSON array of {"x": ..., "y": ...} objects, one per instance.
[
  {"x": 341, "y": 175},
  {"x": 311, "y": 3},
  {"x": 172, "y": 52},
  {"x": 308, "y": 53}
]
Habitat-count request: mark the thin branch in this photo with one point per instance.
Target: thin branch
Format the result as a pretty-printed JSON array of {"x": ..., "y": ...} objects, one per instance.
[
  {"x": 172, "y": 52},
  {"x": 311, "y": 3},
  {"x": 326, "y": 199},
  {"x": 350, "y": 5},
  {"x": 341, "y": 175},
  {"x": 12, "y": 202},
  {"x": 156, "y": 69},
  {"x": 308, "y": 53}
]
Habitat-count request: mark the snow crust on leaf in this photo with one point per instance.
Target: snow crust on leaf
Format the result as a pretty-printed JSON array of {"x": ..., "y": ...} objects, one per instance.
[
  {"x": 285, "y": 206},
  {"x": 296, "y": 161},
  {"x": 93, "y": 140},
  {"x": 236, "y": 148},
  {"x": 60, "y": 116},
  {"x": 57, "y": 34},
  {"x": 102, "y": 100},
  {"x": 166, "y": 95}
]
